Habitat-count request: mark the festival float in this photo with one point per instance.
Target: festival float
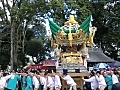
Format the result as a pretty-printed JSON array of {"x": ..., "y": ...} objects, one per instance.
[
  {"x": 70, "y": 44},
  {"x": 71, "y": 41}
]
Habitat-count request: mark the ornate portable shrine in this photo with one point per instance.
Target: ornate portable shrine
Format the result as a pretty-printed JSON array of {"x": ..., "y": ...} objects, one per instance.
[{"x": 70, "y": 42}]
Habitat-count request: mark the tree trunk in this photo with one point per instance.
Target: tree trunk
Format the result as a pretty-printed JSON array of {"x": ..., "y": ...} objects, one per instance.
[
  {"x": 24, "y": 36},
  {"x": 11, "y": 52},
  {"x": 14, "y": 46}
]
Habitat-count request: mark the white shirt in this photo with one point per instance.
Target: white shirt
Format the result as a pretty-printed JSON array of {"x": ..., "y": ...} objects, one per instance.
[
  {"x": 3, "y": 80},
  {"x": 114, "y": 79},
  {"x": 101, "y": 81},
  {"x": 50, "y": 82},
  {"x": 35, "y": 82},
  {"x": 57, "y": 81},
  {"x": 94, "y": 83},
  {"x": 43, "y": 81},
  {"x": 69, "y": 80}
]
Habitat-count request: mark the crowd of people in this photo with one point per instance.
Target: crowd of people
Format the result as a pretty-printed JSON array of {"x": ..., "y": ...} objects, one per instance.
[
  {"x": 105, "y": 79},
  {"x": 34, "y": 80}
]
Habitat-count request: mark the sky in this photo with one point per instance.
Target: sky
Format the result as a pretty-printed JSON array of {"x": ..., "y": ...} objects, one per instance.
[
  {"x": 10, "y": 3},
  {"x": 48, "y": 27}
]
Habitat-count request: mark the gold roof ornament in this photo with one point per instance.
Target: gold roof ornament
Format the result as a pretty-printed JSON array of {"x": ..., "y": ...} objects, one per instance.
[{"x": 71, "y": 20}]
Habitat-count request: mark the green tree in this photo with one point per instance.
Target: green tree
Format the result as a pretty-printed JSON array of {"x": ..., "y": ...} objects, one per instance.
[
  {"x": 113, "y": 26},
  {"x": 4, "y": 47},
  {"x": 16, "y": 18},
  {"x": 39, "y": 45},
  {"x": 106, "y": 19},
  {"x": 39, "y": 49}
]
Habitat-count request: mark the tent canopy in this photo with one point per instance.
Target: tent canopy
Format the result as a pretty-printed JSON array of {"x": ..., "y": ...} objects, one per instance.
[
  {"x": 115, "y": 64},
  {"x": 101, "y": 66}
]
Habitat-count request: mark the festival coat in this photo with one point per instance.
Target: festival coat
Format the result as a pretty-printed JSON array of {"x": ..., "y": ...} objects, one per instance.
[
  {"x": 29, "y": 83},
  {"x": 24, "y": 82},
  {"x": 108, "y": 80},
  {"x": 12, "y": 82}
]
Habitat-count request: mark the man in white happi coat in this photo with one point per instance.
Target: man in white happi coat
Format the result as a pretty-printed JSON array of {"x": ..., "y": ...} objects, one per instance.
[
  {"x": 42, "y": 81},
  {"x": 114, "y": 78},
  {"x": 93, "y": 81},
  {"x": 35, "y": 81},
  {"x": 57, "y": 81},
  {"x": 49, "y": 81},
  {"x": 69, "y": 80},
  {"x": 101, "y": 80}
]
